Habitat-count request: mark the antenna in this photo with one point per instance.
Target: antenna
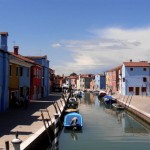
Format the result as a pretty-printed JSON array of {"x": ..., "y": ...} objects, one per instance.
[{"x": 14, "y": 43}]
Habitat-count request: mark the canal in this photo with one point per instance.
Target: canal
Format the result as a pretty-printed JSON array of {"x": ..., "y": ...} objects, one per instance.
[{"x": 105, "y": 129}]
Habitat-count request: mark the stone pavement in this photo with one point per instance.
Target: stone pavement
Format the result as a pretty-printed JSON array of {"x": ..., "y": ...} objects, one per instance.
[
  {"x": 139, "y": 104},
  {"x": 25, "y": 121}
]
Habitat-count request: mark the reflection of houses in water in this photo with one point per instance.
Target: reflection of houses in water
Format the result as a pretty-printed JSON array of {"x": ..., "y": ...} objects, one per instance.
[
  {"x": 92, "y": 99},
  {"x": 114, "y": 113},
  {"x": 132, "y": 126},
  {"x": 88, "y": 98}
]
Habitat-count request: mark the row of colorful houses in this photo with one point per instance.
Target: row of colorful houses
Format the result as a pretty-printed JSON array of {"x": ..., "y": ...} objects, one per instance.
[
  {"x": 129, "y": 78},
  {"x": 21, "y": 76},
  {"x": 83, "y": 81}
]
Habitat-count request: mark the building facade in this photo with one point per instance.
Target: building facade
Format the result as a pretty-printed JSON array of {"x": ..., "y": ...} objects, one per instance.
[
  {"x": 44, "y": 62},
  {"x": 100, "y": 81},
  {"x": 19, "y": 76},
  {"x": 4, "y": 102},
  {"x": 35, "y": 84},
  {"x": 113, "y": 79},
  {"x": 135, "y": 78}
]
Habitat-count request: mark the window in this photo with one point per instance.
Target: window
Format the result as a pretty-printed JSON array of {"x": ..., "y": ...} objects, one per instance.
[
  {"x": 131, "y": 69},
  {"x": 144, "y": 69},
  {"x": 28, "y": 72},
  {"x": 10, "y": 70},
  {"x": 21, "y": 71},
  {"x": 144, "y": 79},
  {"x": 131, "y": 89},
  {"x": 17, "y": 71},
  {"x": 123, "y": 79},
  {"x": 143, "y": 89}
]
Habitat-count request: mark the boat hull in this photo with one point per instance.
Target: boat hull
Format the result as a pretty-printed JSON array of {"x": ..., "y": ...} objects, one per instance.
[
  {"x": 68, "y": 121},
  {"x": 118, "y": 106}
]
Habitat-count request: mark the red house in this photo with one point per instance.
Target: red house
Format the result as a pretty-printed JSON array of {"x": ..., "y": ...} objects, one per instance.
[{"x": 36, "y": 79}]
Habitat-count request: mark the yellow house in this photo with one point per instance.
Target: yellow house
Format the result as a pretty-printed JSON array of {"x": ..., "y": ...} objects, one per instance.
[{"x": 13, "y": 83}]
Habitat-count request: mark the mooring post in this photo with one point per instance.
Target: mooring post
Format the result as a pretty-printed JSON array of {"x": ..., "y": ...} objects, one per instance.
[
  {"x": 16, "y": 142},
  {"x": 56, "y": 131}
]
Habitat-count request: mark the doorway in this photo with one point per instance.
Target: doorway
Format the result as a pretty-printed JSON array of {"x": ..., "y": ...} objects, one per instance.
[{"x": 137, "y": 90}]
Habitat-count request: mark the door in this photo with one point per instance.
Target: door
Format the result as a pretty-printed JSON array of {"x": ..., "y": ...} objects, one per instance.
[{"x": 137, "y": 91}]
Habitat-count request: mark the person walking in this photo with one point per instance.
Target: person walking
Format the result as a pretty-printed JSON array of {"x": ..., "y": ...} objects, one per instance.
[{"x": 26, "y": 101}]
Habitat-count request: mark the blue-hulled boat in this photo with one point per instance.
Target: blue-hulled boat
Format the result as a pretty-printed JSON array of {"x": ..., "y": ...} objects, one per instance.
[
  {"x": 80, "y": 94},
  {"x": 108, "y": 100},
  {"x": 73, "y": 121}
]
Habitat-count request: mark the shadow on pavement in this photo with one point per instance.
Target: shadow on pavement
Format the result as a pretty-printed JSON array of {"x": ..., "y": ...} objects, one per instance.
[{"x": 21, "y": 116}]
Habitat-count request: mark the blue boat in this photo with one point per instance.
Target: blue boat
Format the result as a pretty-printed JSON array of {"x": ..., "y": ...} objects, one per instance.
[
  {"x": 108, "y": 100},
  {"x": 73, "y": 121},
  {"x": 80, "y": 94}
]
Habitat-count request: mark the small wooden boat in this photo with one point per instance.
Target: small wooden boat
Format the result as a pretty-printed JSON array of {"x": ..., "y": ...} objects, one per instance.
[
  {"x": 73, "y": 121},
  {"x": 118, "y": 106}
]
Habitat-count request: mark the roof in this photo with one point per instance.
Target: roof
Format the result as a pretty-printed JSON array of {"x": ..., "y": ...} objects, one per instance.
[
  {"x": 37, "y": 57},
  {"x": 22, "y": 57},
  {"x": 137, "y": 64}
]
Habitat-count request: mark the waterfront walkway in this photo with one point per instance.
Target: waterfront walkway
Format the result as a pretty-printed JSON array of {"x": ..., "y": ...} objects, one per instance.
[
  {"x": 26, "y": 121},
  {"x": 140, "y": 105}
]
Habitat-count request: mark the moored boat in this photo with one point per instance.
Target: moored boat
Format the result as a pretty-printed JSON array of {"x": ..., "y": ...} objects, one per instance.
[
  {"x": 73, "y": 121},
  {"x": 101, "y": 94},
  {"x": 80, "y": 94},
  {"x": 118, "y": 106},
  {"x": 108, "y": 100},
  {"x": 72, "y": 103}
]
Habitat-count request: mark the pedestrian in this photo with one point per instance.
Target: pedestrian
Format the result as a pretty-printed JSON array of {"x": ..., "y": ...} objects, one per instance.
[{"x": 26, "y": 101}]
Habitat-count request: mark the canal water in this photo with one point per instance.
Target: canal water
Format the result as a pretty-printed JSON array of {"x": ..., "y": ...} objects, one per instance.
[{"x": 105, "y": 129}]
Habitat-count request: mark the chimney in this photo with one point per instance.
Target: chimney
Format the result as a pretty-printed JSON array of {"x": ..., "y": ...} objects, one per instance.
[
  {"x": 16, "y": 48},
  {"x": 3, "y": 40}
]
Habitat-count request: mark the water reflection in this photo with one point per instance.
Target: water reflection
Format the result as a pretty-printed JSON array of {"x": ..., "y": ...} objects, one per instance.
[
  {"x": 129, "y": 124},
  {"x": 73, "y": 133},
  {"x": 132, "y": 126}
]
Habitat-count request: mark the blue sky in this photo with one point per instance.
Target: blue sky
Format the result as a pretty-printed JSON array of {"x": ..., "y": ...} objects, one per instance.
[{"x": 82, "y": 36}]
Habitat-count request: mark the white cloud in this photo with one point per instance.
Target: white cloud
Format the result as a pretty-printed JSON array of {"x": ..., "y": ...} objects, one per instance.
[
  {"x": 56, "y": 45},
  {"x": 109, "y": 48}
]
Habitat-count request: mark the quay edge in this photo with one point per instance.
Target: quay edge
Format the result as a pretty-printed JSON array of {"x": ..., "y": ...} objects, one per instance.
[
  {"x": 40, "y": 139},
  {"x": 138, "y": 105}
]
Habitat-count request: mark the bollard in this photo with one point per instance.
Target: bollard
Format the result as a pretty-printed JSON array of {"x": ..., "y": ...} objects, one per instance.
[
  {"x": 56, "y": 142},
  {"x": 16, "y": 142}
]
